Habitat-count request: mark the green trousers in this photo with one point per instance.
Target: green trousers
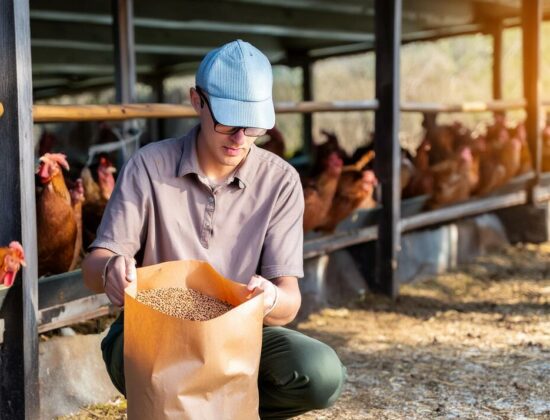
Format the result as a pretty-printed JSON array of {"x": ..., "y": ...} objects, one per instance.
[{"x": 297, "y": 373}]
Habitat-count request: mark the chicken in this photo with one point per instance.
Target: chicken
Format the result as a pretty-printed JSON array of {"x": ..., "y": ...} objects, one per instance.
[
  {"x": 503, "y": 156},
  {"x": 12, "y": 258},
  {"x": 451, "y": 180},
  {"x": 440, "y": 137},
  {"x": 355, "y": 189},
  {"x": 421, "y": 181},
  {"x": 318, "y": 194},
  {"x": 96, "y": 196},
  {"x": 57, "y": 229},
  {"x": 276, "y": 142},
  {"x": 510, "y": 157},
  {"x": 324, "y": 150},
  {"x": 492, "y": 174}
]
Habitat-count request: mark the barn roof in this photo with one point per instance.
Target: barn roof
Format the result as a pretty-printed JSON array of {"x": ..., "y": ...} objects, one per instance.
[{"x": 72, "y": 45}]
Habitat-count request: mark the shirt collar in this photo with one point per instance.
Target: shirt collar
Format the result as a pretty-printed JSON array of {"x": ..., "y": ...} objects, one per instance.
[
  {"x": 247, "y": 169},
  {"x": 189, "y": 163}
]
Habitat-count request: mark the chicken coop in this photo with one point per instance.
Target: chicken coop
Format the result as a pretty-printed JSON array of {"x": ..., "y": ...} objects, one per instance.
[{"x": 56, "y": 47}]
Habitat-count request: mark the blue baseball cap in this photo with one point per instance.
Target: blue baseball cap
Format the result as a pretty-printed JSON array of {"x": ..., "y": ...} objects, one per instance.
[{"x": 239, "y": 81}]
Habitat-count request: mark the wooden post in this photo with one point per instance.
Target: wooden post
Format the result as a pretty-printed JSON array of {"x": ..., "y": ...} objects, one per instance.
[
  {"x": 19, "y": 396},
  {"x": 386, "y": 141},
  {"x": 307, "y": 95},
  {"x": 125, "y": 61},
  {"x": 497, "y": 60},
  {"x": 531, "y": 29}
]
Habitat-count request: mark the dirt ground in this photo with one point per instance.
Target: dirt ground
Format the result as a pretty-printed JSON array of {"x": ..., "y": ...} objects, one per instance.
[{"x": 474, "y": 343}]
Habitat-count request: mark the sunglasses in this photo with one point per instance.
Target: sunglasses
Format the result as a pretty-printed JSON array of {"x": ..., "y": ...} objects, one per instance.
[{"x": 227, "y": 129}]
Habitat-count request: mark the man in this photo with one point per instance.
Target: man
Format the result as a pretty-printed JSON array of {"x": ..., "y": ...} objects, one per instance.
[{"x": 213, "y": 195}]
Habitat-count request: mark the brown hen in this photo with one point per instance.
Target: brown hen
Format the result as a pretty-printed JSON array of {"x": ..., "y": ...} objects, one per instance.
[
  {"x": 57, "y": 228},
  {"x": 451, "y": 180},
  {"x": 355, "y": 190},
  {"x": 319, "y": 193}
]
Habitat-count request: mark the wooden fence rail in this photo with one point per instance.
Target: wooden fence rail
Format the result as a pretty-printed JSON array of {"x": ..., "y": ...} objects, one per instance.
[{"x": 112, "y": 112}]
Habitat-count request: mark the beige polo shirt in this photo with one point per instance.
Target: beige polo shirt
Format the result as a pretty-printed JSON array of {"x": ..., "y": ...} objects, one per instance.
[{"x": 164, "y": 209}]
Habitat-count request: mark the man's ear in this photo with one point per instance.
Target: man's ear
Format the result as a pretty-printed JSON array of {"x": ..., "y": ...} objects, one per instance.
[{"x": 195, "y": 100}]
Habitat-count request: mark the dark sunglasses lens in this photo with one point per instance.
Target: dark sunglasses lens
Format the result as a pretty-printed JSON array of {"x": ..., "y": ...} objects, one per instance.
[
  {"x": 226, "y": 129},
  {"x": 254, "y": 132}
]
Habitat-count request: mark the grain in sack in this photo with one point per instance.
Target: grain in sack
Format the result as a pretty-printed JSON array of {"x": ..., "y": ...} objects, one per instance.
[{"x": 198, "y": 368}]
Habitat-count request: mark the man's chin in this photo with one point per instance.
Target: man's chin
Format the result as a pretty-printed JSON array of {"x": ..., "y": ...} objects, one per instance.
[{"x": 231, "y": 160}]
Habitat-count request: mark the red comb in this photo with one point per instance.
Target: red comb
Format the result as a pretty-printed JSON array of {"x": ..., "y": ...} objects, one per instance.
[
  {"x": 16, "y": 246},
  {"x": 58, "y": 158}
]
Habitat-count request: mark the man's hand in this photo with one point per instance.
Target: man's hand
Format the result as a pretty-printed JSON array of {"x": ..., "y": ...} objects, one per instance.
[
  {"x": 119, "y": 271},
  {"x": 269, "y": 289}
]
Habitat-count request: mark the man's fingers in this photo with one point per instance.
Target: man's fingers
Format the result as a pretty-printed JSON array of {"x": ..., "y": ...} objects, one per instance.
[
  {"x": 254, "y": 282},
  {"x": 131, "y": 273},
  {"x": 114, "y": 296},
  {"x": 120, "y": 273}
]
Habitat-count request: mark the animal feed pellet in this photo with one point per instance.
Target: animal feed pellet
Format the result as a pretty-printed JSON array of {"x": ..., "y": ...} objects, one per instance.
[{"x": 183, "y": 303}]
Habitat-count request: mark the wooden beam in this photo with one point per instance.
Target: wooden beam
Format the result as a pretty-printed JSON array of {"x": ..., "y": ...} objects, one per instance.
[
  {"x": 531, "y": 30},
  {"x": 19, "y": 388},
  {"x": 497, "y": 60},
  {"x": 75, "y": 311},
  {"x": 466, "y": 107},
  {"x": 386, "y": 141},
  {"x": 60, "y": 113},
  {"x": 458, "y": 211},
  {"x": 329, "y": 243},
  {"x": 325, "y": 106},
  {"x": 342, "y": 239}
]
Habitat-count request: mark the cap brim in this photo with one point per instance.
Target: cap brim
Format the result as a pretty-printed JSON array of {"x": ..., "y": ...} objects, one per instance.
[{"x": 258, "y": 114}]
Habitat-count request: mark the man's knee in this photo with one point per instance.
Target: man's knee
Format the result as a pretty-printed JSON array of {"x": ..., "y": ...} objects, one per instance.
[
  {"x": 314, "y": 374},
  {"x": 326, "y": 377}
]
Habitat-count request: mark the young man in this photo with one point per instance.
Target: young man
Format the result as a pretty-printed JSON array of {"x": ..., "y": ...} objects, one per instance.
[{"x": 213, "y": 195}]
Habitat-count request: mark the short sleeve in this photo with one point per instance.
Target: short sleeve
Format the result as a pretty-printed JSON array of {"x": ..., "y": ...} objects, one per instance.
[
  {"x": 282, "y": 253},
  {"x": 123, "y": 226}
]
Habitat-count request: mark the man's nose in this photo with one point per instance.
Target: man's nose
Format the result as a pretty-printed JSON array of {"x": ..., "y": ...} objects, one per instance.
[{"x": 239, "y": 137}]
